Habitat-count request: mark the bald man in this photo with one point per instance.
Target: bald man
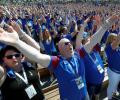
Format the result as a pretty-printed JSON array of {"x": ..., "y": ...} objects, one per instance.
[{"x": 70, "y": 72}]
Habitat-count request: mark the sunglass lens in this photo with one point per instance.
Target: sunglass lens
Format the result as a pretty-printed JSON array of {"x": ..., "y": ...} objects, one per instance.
[
  {"x": 11, "y": 56},
  {"x": 66, "y": 43},
  {"x": 17, "y": 55}
]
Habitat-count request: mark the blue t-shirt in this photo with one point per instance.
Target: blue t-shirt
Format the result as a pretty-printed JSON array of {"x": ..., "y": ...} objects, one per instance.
[
  {"x": 37, "y": 28},
  {"x": 68, "y": 36},
  {"x": 49, "y": 47},
  {"x": 90, "y": 25},
  {"x": 72, "y": 29},
  {"x": 116, "y": 31},
  {"x": 67, "y": 72},
  {"x": 26, "y": 22},
  {"x": 104, "y": 38},
  {"x": 94, "y": 71},
  {"x": 113, "y": 57},
  {"x": 80, "y": 21}
]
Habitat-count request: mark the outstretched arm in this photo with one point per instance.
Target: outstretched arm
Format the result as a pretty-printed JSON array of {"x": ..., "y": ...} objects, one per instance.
[
  {"x": 33, "y": 54},
  {"x": 96, "y": 38},
  {"x": 25, "y": 37}
]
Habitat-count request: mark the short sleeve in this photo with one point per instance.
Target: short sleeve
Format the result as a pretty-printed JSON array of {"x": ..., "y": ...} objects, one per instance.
[
  {"x": 81, "y": 52},
  {"x": 97, "y": 48},
  {"x": 54, "y": 62}
]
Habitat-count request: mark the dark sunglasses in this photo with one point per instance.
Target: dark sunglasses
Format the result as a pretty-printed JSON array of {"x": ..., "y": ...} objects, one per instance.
[
  {"x": 11, "y": 56},
  {"x": 66, "y": 43}
]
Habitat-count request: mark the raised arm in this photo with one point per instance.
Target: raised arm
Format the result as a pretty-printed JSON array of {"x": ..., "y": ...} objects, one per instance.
[
  {"x": 28, "y": 30},
  {"x": 96, "y": 38},
  {"x": 80, "y": 34},
  {"x": 33, "y": 54},
  {"x": 5, "y": 11},
  {"x": 25, "y": 37},
  {"x": 75, "y": 28}
]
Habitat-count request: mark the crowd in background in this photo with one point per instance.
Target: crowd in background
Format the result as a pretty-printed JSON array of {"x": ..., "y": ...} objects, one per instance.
[
  {"x": 48, "y": 24},
  {"x": 34, "y": 19}
]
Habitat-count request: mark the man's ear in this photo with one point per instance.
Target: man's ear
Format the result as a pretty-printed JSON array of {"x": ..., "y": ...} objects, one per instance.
[
  {"x": 22, "y": 57},
  {"x": 3, "y": 59},
  {"x": 60, "y": 47}
]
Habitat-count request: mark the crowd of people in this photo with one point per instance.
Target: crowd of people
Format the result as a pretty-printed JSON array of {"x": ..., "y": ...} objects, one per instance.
[{"x": 66, "y": 39}]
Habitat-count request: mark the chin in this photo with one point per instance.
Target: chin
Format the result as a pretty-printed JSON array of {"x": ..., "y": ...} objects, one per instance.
[
  {"x": 71, "y": 54},
  {"x": 16, "y": 64}
]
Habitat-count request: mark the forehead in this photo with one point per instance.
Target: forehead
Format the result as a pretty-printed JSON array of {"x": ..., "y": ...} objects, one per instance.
[
  {"x": 62, "y": 41},
  {"x": 65, "y": 28},
  {"x": 10, "y": 52}
]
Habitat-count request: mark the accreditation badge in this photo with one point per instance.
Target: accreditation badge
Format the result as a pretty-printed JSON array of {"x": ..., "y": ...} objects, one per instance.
[
  {"x": 79, "y": 82},
  {"x": 100, "y": 69},
  {"x": 31, "y": 92}
]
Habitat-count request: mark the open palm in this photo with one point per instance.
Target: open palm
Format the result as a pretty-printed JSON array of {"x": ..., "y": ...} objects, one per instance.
[{"x": 9, "y": 37}]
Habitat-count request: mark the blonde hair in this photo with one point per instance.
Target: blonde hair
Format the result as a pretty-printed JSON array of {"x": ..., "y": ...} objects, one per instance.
[
  {"x": 46, "y": 35},
  {"x": 110, "y": 38}
]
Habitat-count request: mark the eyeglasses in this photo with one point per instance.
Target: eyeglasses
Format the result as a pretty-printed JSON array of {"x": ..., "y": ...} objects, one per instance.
[
  {"x": 11, "y": 56},
  {"x": 66, "y": 43}
]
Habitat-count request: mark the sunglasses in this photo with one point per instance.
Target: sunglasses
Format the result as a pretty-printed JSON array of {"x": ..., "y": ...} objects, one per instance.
[
  {"x": 66, "y": 43},
  {"x": 14, "y": 55}
]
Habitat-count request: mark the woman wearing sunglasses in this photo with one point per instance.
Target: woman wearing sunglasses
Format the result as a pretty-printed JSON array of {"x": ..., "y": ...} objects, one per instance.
[
  {"x": 22, "y": 80},
  {"x": 68, "y": 68}
]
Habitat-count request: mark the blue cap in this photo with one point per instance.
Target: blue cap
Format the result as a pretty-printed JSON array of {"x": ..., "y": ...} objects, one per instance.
[{"x": 85, "y": 35}]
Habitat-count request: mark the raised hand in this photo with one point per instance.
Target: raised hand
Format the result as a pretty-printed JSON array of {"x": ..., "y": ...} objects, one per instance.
[
  {"x": 5, "y": 10},
  {"x": 2, "y": 8},
  {"x": 16, "y": 27},
  {"x": 110, "y": 21},
  {"x": 112, "y": 18},
  {"x": 9, "y": 37}
]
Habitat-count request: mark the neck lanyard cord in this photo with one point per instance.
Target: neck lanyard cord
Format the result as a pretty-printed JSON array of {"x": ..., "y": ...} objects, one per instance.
[{"x": 24, "y": 79}]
